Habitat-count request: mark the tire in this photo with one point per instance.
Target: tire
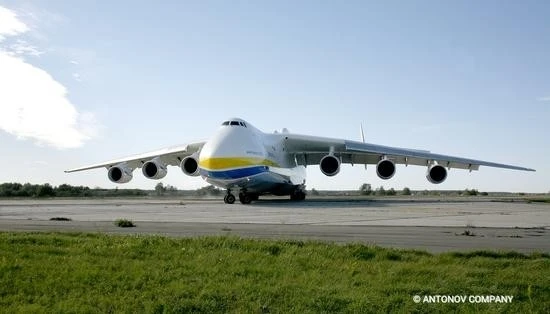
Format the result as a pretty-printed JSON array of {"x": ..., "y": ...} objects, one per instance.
[
  {"x": 229, "y": 199},
  {"x": 245, "y": 198}
]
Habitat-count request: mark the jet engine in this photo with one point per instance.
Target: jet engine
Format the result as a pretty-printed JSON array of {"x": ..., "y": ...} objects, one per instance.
[
  {"x": 120, "y": 173},
  {"x": 190, "y": 166},
  {"x": 436, "y": 174},
  {"x": 154, "y": 169},
  {"x": 330, "y": 165},
  {"x": 385, "y": 169}
]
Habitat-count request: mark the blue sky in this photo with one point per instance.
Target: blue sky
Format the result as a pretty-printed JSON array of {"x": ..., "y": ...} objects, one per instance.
[{"x": 90, "y": 81}]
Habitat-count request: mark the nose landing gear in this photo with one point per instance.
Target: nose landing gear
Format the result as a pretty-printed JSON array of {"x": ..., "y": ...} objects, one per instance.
[
  {"x": 244, "y": 197},
  {"x": 229, "y": 198}
]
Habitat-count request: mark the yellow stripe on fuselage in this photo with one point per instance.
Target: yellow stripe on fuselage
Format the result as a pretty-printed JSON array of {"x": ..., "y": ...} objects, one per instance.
[{"x": 220, "y": 163}]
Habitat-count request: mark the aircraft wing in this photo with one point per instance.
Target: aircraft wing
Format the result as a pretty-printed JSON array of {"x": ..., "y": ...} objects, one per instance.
[
  {"x": 308, "y": 150},
  {"x": 169, "y": 156}
]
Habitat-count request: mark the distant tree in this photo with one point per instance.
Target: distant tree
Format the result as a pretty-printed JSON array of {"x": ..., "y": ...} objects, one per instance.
[
  {"x": 65, "y": 190},
  {"x": 380, "y": 191},
  {"x": 406, "y": 191},
  {"x": 160, "y": 189},
  {"x": 365, "y": 189},
  {"x": 45, "y": 190},
  {"x": 208, "y": 190},
  {"x": 314, "y": 192},
  {"x": 28, "y": 190},
  {"x": 472, "y": 192},
  {"x": 171, "y": 188},
  {"x": 391, "y": 192},
  {"x": 7, "y": 189}
]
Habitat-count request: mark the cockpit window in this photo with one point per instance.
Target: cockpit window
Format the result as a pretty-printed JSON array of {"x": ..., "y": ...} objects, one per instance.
[{"x": 237, "y": 123}]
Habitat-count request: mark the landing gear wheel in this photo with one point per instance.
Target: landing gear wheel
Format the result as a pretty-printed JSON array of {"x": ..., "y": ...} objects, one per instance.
[
  {"x": 229, "y": 199},
  {"x": 298, "y": 195},
  {"x": 245, "y": 198}
]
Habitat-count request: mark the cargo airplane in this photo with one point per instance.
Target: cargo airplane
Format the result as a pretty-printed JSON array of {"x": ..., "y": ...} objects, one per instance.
[{"x": 244, "y": 160}]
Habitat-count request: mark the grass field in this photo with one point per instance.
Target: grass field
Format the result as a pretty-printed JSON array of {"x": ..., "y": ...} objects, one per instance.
[{"x": 60, "y": 272}]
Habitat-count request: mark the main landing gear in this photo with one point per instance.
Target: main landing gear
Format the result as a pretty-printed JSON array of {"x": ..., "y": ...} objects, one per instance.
[
  {"x": 298, "y": 195},
  {"x": 244, "y": 197}
]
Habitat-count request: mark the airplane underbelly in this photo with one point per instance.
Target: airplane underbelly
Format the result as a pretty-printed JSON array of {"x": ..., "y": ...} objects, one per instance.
[{"x": 257, "y": 179}]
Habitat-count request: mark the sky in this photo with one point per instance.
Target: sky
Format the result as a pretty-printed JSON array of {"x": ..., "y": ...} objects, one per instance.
[{"x": 89, "y": 81}]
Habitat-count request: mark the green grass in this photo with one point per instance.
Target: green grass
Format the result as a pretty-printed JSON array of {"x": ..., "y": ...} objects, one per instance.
[{"x": 61, "y": 272}]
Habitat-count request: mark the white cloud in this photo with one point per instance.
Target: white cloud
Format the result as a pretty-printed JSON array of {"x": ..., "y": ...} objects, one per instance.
[
  {"x": 21, "y": 47},
  {"x": 9, "y": 24},
  {"x": 544, "y": 98},
  {"x": 33, "y": 105}
]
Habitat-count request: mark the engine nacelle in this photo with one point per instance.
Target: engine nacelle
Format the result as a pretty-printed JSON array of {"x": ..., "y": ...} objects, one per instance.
[
  {"x": 385, "y": 169},
  {"x": 154, "y": 169},
  {"x": 190, "y": 166},
  {"x": 436, "y": 174},
  {"x": 330, "y": 165},
  {"x": 120, "y": 173}
]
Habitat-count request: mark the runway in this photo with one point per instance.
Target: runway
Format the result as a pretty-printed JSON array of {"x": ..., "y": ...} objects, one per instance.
[{"x": 430, "y": 224}]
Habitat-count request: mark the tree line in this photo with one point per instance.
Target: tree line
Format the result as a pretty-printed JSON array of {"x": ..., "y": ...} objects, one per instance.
[
  {"x": 366, "y": 189},
  {"x": 66, "y": 190},
  {"x": 63, "y": 190}
]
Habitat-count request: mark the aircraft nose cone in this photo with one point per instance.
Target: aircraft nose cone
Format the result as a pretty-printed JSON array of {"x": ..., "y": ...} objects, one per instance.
[{"x": 231, "y": 147}]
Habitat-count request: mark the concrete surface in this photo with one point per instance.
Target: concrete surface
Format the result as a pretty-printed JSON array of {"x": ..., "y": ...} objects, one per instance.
[{"x": 429, "y": 224}]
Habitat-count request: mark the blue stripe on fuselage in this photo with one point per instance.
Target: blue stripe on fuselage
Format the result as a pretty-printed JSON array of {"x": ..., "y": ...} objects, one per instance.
[{"x": 233, "y": 173}]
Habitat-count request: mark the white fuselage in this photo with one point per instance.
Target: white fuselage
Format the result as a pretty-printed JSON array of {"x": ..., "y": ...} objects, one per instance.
[{"x": 241, "y": 157}]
